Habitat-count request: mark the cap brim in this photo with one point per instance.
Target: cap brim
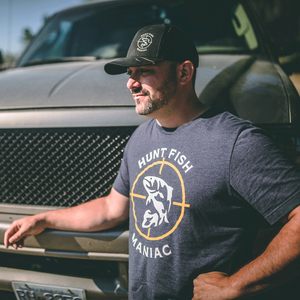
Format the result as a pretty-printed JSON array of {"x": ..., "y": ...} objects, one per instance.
[{"x": 120, "y": 66}]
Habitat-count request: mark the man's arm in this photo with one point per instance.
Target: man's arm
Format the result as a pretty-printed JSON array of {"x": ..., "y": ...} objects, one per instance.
[
  {"x": 99, "y": 214},
  {"x": 272, "y": 268}
]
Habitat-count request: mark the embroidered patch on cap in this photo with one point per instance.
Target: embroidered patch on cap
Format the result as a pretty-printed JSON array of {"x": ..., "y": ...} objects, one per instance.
[{"x": 144, "y": 42}]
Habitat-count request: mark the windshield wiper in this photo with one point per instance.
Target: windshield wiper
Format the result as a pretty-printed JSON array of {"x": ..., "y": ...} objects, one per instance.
[{"x": 55, "y": 60}]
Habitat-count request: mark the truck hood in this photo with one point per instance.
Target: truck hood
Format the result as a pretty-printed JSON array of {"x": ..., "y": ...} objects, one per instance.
[
  {"x": 81, "y": 84},
  {"x": 258, "y": 90}
]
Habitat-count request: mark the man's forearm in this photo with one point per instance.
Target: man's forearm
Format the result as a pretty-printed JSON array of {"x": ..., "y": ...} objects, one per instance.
[
  {"x": 276, "y": 265},
  {"x": 80, "y": 218},
  {"x": 91, "y": 216}
]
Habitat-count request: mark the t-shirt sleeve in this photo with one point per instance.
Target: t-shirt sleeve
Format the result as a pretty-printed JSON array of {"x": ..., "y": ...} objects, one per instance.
[
  {"x": 263, "y": 175},
  {"x": 121, "y": 184}
]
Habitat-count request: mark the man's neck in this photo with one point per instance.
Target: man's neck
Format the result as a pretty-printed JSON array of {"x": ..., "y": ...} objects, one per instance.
[{"x": 183, "y": 113}]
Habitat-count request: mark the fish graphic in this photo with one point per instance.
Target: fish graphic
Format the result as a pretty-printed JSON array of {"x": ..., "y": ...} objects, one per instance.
[{"x": 155, "y": 187}]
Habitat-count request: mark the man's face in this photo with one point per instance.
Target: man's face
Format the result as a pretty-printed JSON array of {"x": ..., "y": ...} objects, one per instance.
[{"x": 152, "y": 87}]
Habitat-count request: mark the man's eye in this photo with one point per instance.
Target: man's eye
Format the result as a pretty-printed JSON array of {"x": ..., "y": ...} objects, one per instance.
[
  {"x": 129, "y": 73},
  {"x": 144, "y": 70}
]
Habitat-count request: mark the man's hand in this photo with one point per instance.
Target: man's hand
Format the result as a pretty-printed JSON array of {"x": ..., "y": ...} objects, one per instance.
[
  {"x": 212, "y": 286},
  {"x": 19, "y": 230}
]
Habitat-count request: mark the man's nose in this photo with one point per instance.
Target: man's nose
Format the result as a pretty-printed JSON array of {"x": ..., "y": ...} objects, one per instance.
[{"x": 132, "y": 84}]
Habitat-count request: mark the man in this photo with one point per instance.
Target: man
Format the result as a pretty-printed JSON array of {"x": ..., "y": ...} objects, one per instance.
[{"x": 192, "y": 182}]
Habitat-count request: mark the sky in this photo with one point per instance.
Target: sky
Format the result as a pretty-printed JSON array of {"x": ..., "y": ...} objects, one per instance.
[{"x": 15, "y": 15}]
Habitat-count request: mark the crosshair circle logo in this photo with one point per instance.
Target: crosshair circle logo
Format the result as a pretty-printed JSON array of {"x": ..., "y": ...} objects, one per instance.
[
  {"x": 145, "y": 41},
  {"x": 153, "y": 187}
]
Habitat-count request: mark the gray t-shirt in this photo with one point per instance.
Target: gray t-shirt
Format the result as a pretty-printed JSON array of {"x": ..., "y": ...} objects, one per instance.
[{"x": 195, "y": 196}]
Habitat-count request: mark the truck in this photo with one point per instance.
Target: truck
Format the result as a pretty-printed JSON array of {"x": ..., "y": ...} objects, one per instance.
[{"x": 64, "y": 124}]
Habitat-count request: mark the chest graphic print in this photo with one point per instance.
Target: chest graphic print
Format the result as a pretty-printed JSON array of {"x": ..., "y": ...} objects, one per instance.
[
  {"x": 153, "y": 185},
  {"x": 158, "y": 194}
]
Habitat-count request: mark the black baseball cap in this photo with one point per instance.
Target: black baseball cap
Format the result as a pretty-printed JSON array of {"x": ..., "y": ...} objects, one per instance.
[{"x": 155, "y": 43}]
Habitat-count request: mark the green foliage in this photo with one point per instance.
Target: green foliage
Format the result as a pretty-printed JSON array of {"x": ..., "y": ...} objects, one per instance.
[{"x": 27, "y": 35}]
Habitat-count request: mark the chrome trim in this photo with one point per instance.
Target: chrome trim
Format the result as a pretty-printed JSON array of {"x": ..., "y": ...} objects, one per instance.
[
  {"x": 71, "y": 117},
  {"x": 67, "y": 254},
  {"x": 16, "y": 209},
  {"x": 107, "y": 244}
]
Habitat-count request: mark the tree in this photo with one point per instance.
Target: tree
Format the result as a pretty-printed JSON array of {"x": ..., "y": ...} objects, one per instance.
[{"x": 27, "y": 35}]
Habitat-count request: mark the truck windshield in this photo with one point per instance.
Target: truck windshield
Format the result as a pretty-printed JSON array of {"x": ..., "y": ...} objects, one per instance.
[{"x": 105, "y": 31}]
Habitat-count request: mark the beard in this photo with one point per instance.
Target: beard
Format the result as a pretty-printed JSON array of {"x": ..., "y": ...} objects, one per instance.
[{"x": 161, "y": 96}]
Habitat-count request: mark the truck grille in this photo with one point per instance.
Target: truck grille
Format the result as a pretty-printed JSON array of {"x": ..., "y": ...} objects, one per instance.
[{"x": 59, "y": 167}]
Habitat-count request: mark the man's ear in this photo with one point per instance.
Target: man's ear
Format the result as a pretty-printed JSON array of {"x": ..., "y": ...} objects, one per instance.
[{"x": 186, "y": 72}]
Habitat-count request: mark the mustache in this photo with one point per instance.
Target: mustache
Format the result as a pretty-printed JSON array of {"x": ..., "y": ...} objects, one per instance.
[{"x": 139, "y": 90}]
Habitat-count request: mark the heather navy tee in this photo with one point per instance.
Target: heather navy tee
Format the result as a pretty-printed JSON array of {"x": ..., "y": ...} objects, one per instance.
[{"x": 195, "y": 196}]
